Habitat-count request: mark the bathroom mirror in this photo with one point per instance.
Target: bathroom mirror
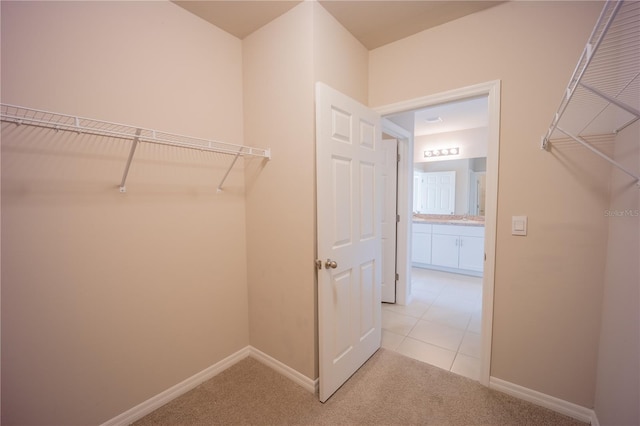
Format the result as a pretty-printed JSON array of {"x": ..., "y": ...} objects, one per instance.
[{"x": 454, "y": 187}]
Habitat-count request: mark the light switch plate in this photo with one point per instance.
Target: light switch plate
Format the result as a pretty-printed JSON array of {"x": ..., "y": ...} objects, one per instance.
[{"x": 518, "y": 225}]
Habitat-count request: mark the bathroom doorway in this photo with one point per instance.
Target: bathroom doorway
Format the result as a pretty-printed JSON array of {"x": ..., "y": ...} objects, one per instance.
[{"x": 409, "y": 145}]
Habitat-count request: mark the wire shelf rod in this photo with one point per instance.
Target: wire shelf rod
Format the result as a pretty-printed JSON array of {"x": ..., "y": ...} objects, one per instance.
[
  {"x": 46, "y": 119},
  {"x": 121, "y": 135},
  {"x": 105, "y": 128}
]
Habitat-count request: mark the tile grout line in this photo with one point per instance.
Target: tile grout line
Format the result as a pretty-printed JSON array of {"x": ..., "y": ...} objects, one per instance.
[{"x": 465, "y": 330}]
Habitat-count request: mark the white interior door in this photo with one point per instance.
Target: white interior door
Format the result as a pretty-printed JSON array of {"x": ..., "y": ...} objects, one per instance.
[
  {"x": 440, "y": 192},
  {"x": 389, "y": 221},
  {"x": 348, "y": 173}
]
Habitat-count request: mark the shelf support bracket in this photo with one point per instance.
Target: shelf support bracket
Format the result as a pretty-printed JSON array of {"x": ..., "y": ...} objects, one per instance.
[
  {"x": 134, "y": 145},
  {"x": 229, "y": 170},
  {"x": 612, "y": 100},
  {"x": 625, "y": 125},
  {"x": 587, "y": 145}
]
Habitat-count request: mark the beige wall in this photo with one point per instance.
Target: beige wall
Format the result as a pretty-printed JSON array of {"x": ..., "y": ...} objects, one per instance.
[
  {"x": 109, "y": 298},
  {"x": 290, "y": 53},
  {"x": 548, "y": 285},
  {"x": 618, "y": 378},
  {"x": 340, "y": 60},
  {"x": 280, "y": 197},
  {"x": 103, "y": 291}
]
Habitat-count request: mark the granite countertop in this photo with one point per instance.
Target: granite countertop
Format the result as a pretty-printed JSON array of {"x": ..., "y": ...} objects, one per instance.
[{"x": 449, "y": 219}]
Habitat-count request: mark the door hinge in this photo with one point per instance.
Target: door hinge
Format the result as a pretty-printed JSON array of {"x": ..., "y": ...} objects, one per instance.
[
  {"x": 398, "y": 158},
  {"x": 398, "y": 218},
  {"x": 397, "y": 277}
]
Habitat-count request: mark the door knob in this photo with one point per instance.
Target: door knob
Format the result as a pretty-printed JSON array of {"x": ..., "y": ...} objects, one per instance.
[{"x": 330, "y": 264}]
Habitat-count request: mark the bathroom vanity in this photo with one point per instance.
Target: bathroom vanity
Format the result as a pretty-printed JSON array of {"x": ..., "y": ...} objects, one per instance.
[{"x": 448, "y": 243}]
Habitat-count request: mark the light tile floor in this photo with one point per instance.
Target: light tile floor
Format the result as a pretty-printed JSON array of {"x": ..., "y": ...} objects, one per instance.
[{"x": 441, "y": 325}]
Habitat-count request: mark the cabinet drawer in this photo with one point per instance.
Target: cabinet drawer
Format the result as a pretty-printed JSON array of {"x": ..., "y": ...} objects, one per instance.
[
  {"x": 422, "y": 228},
  {"x": 466, "y": 231}
]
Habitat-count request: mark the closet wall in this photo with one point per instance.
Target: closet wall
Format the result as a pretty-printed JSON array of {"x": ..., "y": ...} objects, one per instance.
[
  {"x": 618, "y": 378},
  {"x": 110, "y": 298},
  {"x": 548, "y": 285},
  {"x": 278, "y": 98},
  {"x": 290, "y": 53}
]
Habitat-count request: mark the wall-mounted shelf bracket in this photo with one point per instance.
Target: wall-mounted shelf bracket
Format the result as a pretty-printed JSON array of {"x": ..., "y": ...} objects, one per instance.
[
  {"x": 132, "y": 151},
  {"x": 228, "y": 171},
  {"x": 612, "y": 100},
  {"x": 587, "y": 145}
]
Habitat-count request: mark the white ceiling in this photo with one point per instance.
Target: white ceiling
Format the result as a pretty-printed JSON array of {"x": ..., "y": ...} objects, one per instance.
[
  {"x": 238, "y": 17},
  {"x": 373, "y": 22},
  {"x": 379, "y": 22},
  {"x": 460, "y": 115},
  {"x": 471, "y": 113}
]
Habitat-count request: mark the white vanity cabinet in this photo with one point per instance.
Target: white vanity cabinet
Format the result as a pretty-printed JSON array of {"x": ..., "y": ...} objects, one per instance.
[
  {"x": 458, "y": 247},
  {"x": 421, "y": 243},
  {"x": 471, "y": 255},
  {"x": 446, "y": 251}
]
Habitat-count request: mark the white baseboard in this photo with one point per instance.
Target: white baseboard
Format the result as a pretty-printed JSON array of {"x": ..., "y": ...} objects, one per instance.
[
  {"x": 558, "y": 405},
  {"x": 155, "y": 402},
  {"x": 285, "y": 370}
]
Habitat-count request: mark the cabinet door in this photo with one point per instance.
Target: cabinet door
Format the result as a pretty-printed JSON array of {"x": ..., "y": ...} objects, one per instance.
[
  {"x": 471, "y": 253},
  {"x": 421, "y": 248},
  {"x": 444, "y": 250}
]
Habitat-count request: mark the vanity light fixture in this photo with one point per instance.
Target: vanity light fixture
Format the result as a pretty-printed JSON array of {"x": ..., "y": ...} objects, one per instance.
[{"x": 441, "y": 152}]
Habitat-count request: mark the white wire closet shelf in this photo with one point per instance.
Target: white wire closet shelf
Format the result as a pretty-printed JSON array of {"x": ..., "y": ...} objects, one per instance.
[
  {"x": 603, "y": 95},
  {"x": 22, "y": 115}
]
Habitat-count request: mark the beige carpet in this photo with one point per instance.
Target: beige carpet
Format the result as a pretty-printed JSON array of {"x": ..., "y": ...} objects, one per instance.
[{"x": 390, "y": 389}]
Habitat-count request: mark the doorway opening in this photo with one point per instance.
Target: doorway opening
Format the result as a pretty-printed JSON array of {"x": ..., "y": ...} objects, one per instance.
[{"x": 458, "y": 203}]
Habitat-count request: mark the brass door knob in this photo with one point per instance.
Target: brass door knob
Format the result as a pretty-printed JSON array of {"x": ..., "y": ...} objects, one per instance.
[{"x": 330, "y": 264}]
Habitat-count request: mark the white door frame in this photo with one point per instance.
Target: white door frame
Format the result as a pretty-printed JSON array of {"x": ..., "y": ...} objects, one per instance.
[
  {"x": 389, "y": 221},
  {"x": 404, "y": 209},
  {"x": 490, "y": 89}
]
